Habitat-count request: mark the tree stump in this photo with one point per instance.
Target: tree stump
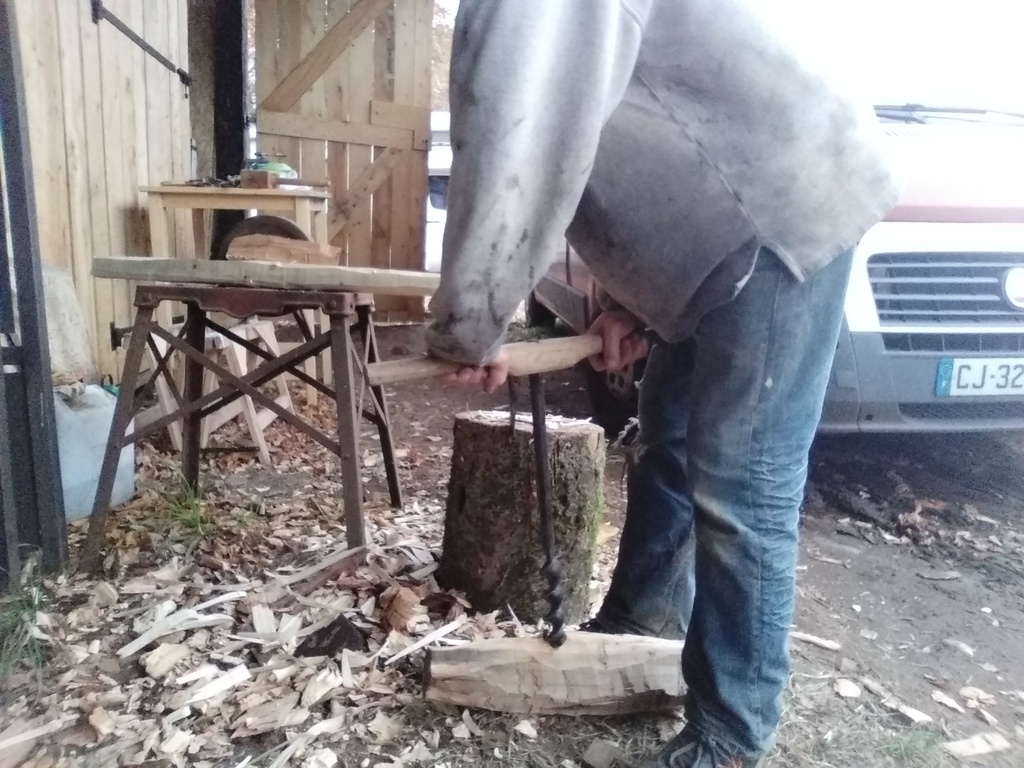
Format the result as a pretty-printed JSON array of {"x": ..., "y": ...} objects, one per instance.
[{"x": 492, "y": 540}]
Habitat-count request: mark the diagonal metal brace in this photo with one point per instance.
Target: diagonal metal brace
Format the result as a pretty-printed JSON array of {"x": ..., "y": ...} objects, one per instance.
[{"x": 101, "y": 13}]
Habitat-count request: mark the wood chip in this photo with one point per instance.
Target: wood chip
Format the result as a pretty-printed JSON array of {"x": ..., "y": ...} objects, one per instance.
[
  {"x": 976, "y": 696},
  {"x": 34, "y": 733},
  {"x": 986, "y": 717},
  {"x": 104, "y": 595},
  {"x": 386, "y": 728},
  {"x": 960, "y": 646},
  {"x": 915, "y": 716},
  {"x": 423, "y": 642},
  {"x": 322, "y": 758},
  {"x": 225, "y": 682},
  {"x": 101, "y": 720},
  {"x": 403, "y": 610},
  {"x": 321, "y": 684},
  {"x": 178, "y": 621},
  {"x": 603, "y": 754},
  {"x": 976, "y": 746},
  {"x": 526, "y": 728},
  {"x": 869, "y": 634},
  {"x": 948, "y": 701},
  {"x": 475, "y": 729},
  {"x": 940, "y": 575},
  {"x": 164, "y": 658},
  {"x": 263, "y": 620},
  {"x": 828, "y": 645},
  {"x": 847, "y": 688},
  {"x": 176, "y": 742}
]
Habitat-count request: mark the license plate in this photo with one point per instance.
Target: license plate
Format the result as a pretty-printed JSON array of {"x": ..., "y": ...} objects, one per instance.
[{"x": 980, "y": 376}]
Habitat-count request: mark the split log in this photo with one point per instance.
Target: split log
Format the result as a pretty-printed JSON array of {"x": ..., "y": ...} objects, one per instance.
[
  {"x": 590, "y": 675},
  {"x": 492, "y": 544},
  {"x": 282, "y": 250}
]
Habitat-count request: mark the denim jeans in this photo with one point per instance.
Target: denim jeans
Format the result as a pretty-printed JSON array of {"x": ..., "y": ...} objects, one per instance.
[{"x": 726, "y": 424}]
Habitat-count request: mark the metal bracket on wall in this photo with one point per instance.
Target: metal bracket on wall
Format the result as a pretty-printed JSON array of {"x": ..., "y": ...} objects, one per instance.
[{"x": 99, "y": 12}]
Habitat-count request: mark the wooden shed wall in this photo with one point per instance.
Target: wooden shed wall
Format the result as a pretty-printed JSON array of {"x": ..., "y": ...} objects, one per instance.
[
  {"x": 105, "y": 118},
  {"x": 343, "y": 91}
]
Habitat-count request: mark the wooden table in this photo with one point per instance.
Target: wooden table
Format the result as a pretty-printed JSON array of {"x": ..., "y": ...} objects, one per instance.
[{"x": 306, "y": 207}]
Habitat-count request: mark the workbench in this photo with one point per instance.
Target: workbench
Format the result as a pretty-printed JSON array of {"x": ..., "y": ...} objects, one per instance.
[{"x": 342, "y": 294}]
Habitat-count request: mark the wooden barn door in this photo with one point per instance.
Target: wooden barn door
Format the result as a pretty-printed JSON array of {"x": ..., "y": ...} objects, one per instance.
[{"x": 343, "y": 92}]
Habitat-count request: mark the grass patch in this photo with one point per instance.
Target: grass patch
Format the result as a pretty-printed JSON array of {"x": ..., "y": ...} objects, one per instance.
[
  {"x": 22, "y": 645},
  {"x": 913, "y": 747},
  {"x": 186, "y": 519}
]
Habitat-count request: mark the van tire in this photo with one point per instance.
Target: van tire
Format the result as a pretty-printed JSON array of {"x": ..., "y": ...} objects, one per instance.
[{"x": 614, "y": 397}]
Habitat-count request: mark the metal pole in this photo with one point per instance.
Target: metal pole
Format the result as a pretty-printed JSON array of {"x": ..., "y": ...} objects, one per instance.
[{"x": 24, "y": 240}]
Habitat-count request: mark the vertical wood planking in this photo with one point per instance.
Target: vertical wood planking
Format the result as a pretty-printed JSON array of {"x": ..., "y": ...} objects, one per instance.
[
  {"x": 76, "y": 146},
  {"x": 384, "y": 90},
  {"x": 98, "y": 210},
  {"x": 312, "y": 152},
  {"x": 360, "y": 91},
  {"x": 44, "y": 104},
  {"x": 158, "y": 105},
  {"x": 419, "y": 179},
  {"x": 268, "y": 73},
  {"x": 183, "y": 242},
  {"x": 401, "y": 177},
  {"x": 102, "y": 125},
  {"x": 110, "y": 42},
  {"x": 336, "y": 96},
  {"x": 288, "y": 55}
]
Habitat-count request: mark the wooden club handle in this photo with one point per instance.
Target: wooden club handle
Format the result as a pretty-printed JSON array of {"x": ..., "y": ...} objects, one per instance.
[{"x": 525, "y": 357}]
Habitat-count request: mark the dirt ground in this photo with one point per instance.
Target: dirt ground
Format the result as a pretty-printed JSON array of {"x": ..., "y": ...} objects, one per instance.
[
  {"x": 898, "y": 596},
  {"x": 912, "y": 563}
]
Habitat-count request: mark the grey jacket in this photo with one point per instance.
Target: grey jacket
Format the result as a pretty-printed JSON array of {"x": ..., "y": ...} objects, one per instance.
[{"x": 669, "y": 139}]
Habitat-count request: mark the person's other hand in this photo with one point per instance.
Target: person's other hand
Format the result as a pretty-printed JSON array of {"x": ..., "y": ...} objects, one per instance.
[
  {"x": 490, "y": 376},
  {"x": 624, "y": 340}
]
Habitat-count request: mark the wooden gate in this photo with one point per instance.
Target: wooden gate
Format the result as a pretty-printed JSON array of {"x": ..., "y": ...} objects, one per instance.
[{"x": 343, "y": 92}]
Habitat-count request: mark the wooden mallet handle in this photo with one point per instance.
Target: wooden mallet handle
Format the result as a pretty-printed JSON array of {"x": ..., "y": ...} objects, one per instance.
[{"x": 525, "y": 357}]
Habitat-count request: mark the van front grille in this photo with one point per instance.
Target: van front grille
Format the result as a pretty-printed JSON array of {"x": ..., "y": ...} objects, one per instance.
[
  {"x": 943, "y": 288},
  {"x": 1006, "y": 343}
]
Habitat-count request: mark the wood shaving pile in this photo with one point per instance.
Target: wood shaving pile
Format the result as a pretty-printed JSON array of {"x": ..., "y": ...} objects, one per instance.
[{"x": 191, "y": 661}]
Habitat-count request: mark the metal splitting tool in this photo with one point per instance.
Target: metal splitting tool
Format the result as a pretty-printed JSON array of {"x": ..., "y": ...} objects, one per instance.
[{"x": 554, "y": 632}]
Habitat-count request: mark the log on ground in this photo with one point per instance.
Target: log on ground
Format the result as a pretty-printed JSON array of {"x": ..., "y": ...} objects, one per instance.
[
  {"x": 590, "y": 675},
  {"x": 492, "y": 543}
]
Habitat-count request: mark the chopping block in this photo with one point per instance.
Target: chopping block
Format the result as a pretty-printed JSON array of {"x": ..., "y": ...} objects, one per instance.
[{"x": 586, "y": 673}]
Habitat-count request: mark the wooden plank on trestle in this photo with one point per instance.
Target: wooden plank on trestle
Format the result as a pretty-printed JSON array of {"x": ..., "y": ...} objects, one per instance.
[
  {"x": 77, "y": 152},
  {"x": 302, "y": 75},
  {"x": 258, "y": 274},
  {"x": 96, "y": 162}
]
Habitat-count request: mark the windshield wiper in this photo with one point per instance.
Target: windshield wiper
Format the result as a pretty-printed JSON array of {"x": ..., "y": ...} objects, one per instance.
[{"x": 915, "y": 113}]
